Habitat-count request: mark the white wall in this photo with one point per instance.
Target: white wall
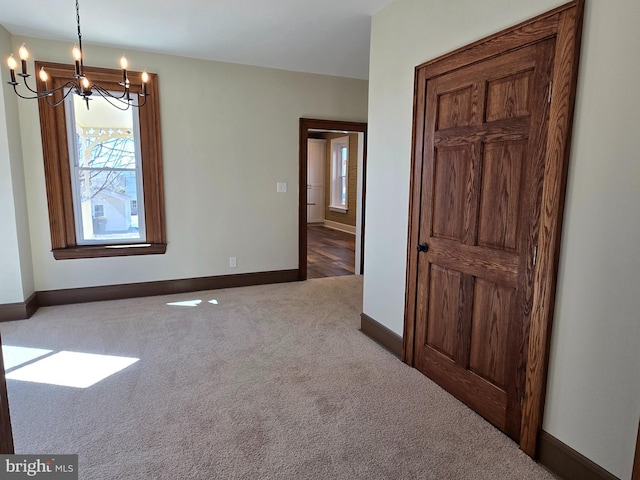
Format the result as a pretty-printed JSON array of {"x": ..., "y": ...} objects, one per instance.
[
  {"x": 230, "y": 133},
  {"x": 593, "y": 398},
  {"x": 16, "y": 273}
]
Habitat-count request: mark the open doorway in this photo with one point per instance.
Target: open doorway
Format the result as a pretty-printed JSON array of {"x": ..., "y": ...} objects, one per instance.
[{"x": 331, "y": 210}]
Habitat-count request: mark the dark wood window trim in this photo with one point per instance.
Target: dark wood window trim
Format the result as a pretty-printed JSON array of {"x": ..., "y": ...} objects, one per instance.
[{"x": 58, "y": 172}]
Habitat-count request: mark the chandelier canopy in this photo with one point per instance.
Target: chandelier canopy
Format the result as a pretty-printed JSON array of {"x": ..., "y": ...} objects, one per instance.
[{"x": 81, "y": 85}]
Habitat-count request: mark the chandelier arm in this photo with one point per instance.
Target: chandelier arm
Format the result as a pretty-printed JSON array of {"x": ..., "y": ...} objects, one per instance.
[
  {"x": 47, "y": 93},
  {"x": 59, "y": 102},
  {"x": 15, "y": 89},
  {"x": 106, "y": 93},
  {"x": 29, "y": 88},
  {"x": 108, "y": 98},
  {"x": 43, "y": 93},
  {"x": 144, "y": 100}
]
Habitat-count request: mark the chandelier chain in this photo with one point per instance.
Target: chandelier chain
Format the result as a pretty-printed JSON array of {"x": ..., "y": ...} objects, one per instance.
[{"x": 79, "y": 35}]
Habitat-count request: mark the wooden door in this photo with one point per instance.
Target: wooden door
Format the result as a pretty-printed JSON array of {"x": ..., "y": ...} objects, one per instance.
[
  {"x": 492, "y": 125},
  {"x": 317, "y": 158},
  {"x": 485, "y": 135}
]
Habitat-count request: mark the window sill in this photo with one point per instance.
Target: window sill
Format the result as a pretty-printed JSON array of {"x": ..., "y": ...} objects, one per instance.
[
  {"x": 338, "y": 209},
  {"x": 98, "y": 251}
]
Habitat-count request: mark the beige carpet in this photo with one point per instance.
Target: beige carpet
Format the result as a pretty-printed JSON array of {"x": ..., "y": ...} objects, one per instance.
[{"x": 272, "y": 382}]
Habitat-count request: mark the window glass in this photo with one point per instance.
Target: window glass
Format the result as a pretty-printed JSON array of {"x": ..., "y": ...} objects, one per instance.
[
  {"x": 339, "y": 172},
  {"x": 343, "y": 176},
  {"x": 106, "y": 172}
]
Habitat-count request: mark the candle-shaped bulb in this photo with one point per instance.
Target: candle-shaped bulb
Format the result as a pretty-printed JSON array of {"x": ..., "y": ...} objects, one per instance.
[
  {"x": 77, "y": 57},
  {"x": 23, "y": 52},
  {"x": 43, "y": 75},
  {"x": 85, "y": 83},
  {"x": 145, "y": 80},
  {"x": 12, "y": 68},
  {"x": 77, "y": 54},
  {"x": 123, "y": 65}
]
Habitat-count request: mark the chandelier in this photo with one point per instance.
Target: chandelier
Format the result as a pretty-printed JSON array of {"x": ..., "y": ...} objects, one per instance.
[{"x": 81, "y": 85}]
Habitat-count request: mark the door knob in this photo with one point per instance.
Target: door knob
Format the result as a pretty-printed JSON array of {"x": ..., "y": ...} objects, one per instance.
[{"x": 423, "y": 247}]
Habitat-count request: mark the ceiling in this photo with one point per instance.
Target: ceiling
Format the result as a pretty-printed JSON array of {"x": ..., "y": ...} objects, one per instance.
[{"x": 329, "y": 37}]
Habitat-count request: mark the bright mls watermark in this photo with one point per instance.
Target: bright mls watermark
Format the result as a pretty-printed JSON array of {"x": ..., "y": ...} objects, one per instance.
[{"x": 50, "y": 467}]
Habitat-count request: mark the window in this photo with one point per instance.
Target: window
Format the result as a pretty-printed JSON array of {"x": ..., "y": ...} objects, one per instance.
[
  {"x": 339, "y": 173},
  {"x": 104, "y": 154},
  {"x": 103, "y": 170}
]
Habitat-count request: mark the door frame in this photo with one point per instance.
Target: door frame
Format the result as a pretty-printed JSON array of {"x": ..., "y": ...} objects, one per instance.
[
  {"x": 635, "y": 475},
  {"x": 6, "y": 432},
  {"x": 307, "y": 124},
  {"x": 565, "y": 24}
]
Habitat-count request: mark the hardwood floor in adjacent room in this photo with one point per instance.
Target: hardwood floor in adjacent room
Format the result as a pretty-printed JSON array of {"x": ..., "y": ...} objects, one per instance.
[{"x": 330, "y": 253}]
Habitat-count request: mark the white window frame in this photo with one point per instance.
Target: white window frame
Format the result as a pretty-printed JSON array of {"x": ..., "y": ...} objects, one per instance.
[
  {"x": 336, "y": 205},
  {"x": 75, "y": 166}
]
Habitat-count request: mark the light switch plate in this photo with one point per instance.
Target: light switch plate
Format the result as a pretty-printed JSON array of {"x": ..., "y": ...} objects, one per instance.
[{"x": 281, "y": 187}]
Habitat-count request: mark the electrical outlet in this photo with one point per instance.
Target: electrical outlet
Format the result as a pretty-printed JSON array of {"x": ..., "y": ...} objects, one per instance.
[{"x": 232, "y": 262}]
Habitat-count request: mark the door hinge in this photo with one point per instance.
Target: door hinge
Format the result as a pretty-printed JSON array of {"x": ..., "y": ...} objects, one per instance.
[
  {"x": 535, "y": 256},
  {"x": 550, "y": 90}
]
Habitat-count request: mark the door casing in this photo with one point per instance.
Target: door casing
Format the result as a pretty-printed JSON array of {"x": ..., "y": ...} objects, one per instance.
[
  {"x": 307, "y": 124},
  {"x": 6, "y": 433},
  {"x": 565, "y": 25},
  {"x": 635, "y": 475}
]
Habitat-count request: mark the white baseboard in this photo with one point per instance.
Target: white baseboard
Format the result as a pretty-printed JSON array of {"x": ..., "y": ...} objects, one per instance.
[{"x": 340, "y": 226}]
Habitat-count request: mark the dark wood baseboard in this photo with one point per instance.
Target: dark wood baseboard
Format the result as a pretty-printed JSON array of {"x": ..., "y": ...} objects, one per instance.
[
  {"x": 567, "y": 464},
  {"x": 381, "y": 334},
  {"x": 165, "y": 287},
  {"x": 18, "y": 311},
  {"x": 24, "y": 310}
]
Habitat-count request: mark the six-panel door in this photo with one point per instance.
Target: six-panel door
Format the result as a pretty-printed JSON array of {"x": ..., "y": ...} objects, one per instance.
[{"x": 483, "y": 170}]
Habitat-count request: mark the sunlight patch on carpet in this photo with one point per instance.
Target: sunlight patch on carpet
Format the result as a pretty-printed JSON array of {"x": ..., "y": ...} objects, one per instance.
[
  {"x": 14, "y": 355},
  {"x": 72, "y": 369},
  {"x": 186, "y": 303}
]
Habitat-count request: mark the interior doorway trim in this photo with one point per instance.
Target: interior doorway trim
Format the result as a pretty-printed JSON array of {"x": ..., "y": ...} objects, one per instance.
[
  {"x": 307, "y": 124},
  {"x": 6, "y": 433},
  {"x": 635, "y": 475},
  {"x": 564, "y": 24}
]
